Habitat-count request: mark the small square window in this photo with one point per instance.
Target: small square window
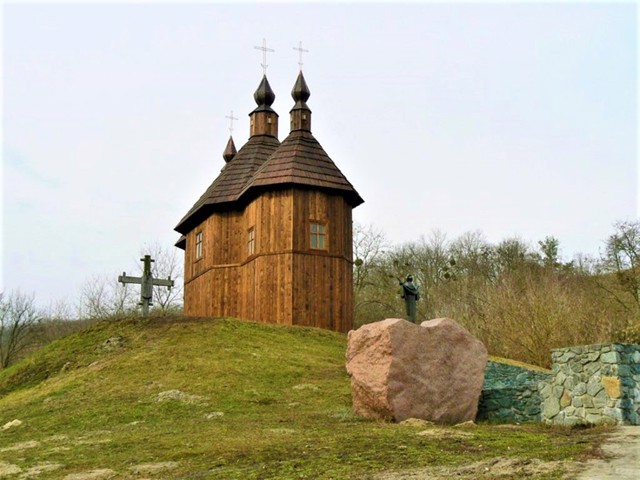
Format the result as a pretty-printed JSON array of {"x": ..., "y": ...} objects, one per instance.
[
  {"x": 318, "y": 236},
  {"x": 198, "y": 245},
  {"x": 251, "y": 241}
]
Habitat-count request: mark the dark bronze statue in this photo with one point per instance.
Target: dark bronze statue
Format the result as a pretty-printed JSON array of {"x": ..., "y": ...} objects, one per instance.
[{"x": 411, "y": 295}]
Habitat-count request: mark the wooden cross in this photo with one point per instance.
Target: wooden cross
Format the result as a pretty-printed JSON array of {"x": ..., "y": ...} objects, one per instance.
[
  {"x": 231, "y": 119},
  {"x": 300, "y": 50},
  {"x": 146, "y": 282},
  {"x": 264, "y": 54}
]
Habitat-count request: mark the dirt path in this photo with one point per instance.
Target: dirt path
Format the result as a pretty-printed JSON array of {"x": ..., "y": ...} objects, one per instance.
[{"x": 622, "y": 457}]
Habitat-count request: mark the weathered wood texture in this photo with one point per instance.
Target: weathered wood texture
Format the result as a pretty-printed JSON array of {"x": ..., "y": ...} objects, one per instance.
[
  {"x": 284, "y": 281},
  {"x": 264, "y": 123}
]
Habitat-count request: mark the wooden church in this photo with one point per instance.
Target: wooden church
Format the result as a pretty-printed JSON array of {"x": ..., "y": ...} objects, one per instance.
[{"x": 270, "y": 240}]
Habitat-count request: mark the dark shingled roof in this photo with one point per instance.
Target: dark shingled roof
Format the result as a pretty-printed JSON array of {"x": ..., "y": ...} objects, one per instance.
[
  {"x": 264, "y": 163},
  {"x": 301, "y": 160},
  {"x": 231, "y": 181}
]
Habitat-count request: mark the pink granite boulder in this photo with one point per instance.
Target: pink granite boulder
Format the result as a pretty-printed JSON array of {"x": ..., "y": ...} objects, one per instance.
[{"x": 399, "y": 370}]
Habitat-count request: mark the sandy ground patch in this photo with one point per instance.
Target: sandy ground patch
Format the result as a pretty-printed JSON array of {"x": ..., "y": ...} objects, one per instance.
[
  {"x": 92, "y": 441},
  {"x": 622, "y": 457},
  {"x": 20, "y": 446},
  {"x": 96, "y": 433},
  {"x": 96, "y": 437},
  {"x": 58, "y": 449},
  {"x": 7, "y": 469},
  {"x": 33, "y": 472},
  {"x": 305, "y": 386},
  {"x": 100, "y": 474},
  {"x": 179, "y": 396},
  {"x": 11, "y": 424},
  {"x": 493, "y": 469},
  {"x": 56, "y": 438},
  {"x": 416, "y": 422},
  {"x": 444, "y": 433},
  {"x": 212, "y": 415},
  {"x": 153, "y": 467}
]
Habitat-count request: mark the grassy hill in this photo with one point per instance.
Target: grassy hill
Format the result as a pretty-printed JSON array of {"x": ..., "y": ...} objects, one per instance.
[{"x": 226, "y": 399}]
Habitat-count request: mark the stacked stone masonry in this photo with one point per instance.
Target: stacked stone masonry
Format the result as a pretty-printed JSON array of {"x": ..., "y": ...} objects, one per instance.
[
  {"x": 510, "y": 393},
  {"x": 593, "y": 384}
]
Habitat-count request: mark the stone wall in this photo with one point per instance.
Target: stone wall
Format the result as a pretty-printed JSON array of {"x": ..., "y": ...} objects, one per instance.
[
  {"x": 510, "y": 393},
  {"x": 593, "y": 384}
]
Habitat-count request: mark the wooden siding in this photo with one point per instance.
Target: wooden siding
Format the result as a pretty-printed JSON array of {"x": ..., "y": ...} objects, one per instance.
[
  {"x": 284, "y": 281},
  {"x": 264, "y": 123},
  {"x": 323, "y": 290}
]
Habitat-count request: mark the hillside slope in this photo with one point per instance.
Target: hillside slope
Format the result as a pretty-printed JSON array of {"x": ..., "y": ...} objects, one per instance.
[{"x": 218, "y": 398}]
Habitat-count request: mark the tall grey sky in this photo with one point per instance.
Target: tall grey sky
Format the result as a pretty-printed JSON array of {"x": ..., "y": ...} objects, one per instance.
[{"x": 509, "y": 118}]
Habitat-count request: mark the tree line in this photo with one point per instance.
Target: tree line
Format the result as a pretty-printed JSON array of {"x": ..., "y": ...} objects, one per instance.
[{"x": 520, "y": 300}]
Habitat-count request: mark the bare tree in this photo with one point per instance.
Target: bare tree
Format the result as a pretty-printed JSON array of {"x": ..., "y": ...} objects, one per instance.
[
  {"x": 17, "y": 316},
  {"x": 373, "y": 298},
  {"x": 103, "y": 296},
  {"x": 513, "y": 254},
  {"x": 167, "y": 263},
  {"x": 59, "y": 310},
  {"x": 57, "y": 320},
  {"x": 585, "y": 264},
  {"x": 429, "y": 259},
  {"x": 369, "y": 244},
  {"x": 622, "y": 256},
  {"x": 474, "y": 257}
]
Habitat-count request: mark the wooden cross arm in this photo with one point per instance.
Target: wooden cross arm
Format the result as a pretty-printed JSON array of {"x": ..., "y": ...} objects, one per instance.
[
  {"x": 126, "y": 279},
  {"x": 162, "y": 282}
]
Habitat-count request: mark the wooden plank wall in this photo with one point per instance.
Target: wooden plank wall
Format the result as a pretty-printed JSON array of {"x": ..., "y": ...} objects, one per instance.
[
  {"x": 284, "y": 281},
  {"x": 330, "y": 209},
  {"x": 323, "y": 292},
  {"x": 323, "y": 297},
  {"x": 273, "y": 280}
]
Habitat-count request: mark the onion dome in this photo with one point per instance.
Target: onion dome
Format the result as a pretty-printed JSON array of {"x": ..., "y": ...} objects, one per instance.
[
  {"x": 300, "y": 114},
  {"x": 264, "y": 96},
  {"x": 300, "y": 92},
  {"x": 300, "y": 161},
  {"x": 230, "y": 151},
  {"x": 264, "y": 120}
]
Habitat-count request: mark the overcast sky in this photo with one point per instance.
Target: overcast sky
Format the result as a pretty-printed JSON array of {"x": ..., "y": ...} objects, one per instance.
[{"x": 513, "y": 119}]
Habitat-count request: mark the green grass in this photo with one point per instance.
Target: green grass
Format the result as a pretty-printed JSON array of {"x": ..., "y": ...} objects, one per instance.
[
  {"x": 284, "y": 394},
  {"x": 516, "y": 363}
]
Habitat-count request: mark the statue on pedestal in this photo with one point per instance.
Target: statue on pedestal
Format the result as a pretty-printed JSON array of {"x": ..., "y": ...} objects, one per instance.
[{"x": 411, "y": 295}]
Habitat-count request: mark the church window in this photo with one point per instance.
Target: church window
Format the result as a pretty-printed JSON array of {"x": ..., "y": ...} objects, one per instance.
[
  {"x": 318, "y": 236},
  {"x": 251, "y": 241},
  {"x": 198, "y": 245}
]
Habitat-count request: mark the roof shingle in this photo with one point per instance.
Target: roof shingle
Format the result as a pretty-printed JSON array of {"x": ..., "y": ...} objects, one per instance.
[
  {"x": 301, "y": 160},
  {"x": 228, "y": 186}
]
